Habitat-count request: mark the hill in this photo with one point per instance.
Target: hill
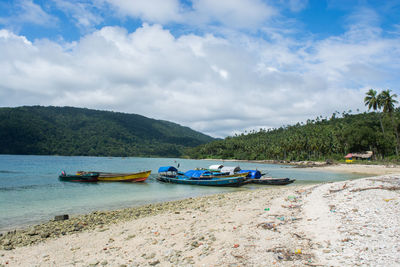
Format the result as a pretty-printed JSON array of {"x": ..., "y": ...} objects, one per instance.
[
  {"x": 41, "y": 130},
  {"x": 317, "y": 139}
]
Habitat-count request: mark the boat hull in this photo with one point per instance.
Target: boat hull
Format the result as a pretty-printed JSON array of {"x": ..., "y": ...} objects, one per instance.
[
  {"x": 233, "y": 181},
  {"x": 124, "y": 177},
  {"x": 84, "y": 178},
  {"x": 272, "y": 181}
]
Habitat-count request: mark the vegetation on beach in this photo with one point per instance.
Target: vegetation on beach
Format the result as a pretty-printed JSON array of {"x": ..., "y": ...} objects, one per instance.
[
  {"x": 75, "y": 131},
  {"x": 319, "y": 139}
]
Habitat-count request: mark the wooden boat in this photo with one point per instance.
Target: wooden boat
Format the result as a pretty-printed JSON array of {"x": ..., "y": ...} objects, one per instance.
[
  {"x": 86, "y": 177},
  {"x": 122, "y": 177},
  {"x": 179, "y": 179},
  {"x": 272, "y": 181},
  {"x": 170, "y": 174},
  {"x": 209, "y": 174}
]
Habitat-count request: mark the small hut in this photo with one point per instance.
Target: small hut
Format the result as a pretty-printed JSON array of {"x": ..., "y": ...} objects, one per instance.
[{"x": 359, "y": 156}]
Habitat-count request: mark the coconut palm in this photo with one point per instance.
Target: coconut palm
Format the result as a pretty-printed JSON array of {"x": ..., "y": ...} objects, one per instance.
[
  {"x": 373, "y": 101},
  {"x": 387, "y": 102}
]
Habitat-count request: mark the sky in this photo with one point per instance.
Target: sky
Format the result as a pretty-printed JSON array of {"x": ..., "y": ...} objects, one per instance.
[{"x": 217, "y": 66}]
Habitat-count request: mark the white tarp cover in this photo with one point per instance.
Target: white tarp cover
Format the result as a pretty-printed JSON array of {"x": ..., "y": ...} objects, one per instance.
[
  {"x": 231, "y": 170},
  {"x": 215, "y": 167}
]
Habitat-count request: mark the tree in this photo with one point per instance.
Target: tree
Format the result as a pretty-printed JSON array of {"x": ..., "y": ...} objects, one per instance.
[
  {"x": 387, "y": 101},
  {"x": 373, "y": 102}
]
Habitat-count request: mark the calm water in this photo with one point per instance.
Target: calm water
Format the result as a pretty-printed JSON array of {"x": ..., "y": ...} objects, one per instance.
[{"x": 30, "y": 191}]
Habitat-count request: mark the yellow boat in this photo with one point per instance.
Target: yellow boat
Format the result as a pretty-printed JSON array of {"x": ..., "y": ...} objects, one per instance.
[{"x": 122, "y": 177}]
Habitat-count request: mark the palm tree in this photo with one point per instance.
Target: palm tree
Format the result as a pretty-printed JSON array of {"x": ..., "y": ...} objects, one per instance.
[
  {"x": 387, "y": 102},
  {"x": 373, "y": 102}
]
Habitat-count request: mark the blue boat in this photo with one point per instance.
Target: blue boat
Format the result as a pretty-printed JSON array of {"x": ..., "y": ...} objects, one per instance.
[{"x": 170, "y": 174}]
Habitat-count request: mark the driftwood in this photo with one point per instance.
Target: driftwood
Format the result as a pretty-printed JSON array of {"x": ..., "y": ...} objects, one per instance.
[
  {"x": 337, "y": 190},
  {"x": 390, "y": 188}
]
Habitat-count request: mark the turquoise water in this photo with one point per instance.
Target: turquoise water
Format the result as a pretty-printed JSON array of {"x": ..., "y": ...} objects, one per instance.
[{"x": 30, "y": 191}]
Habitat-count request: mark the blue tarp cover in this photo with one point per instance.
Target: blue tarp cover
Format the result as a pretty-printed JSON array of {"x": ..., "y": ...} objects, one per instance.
[
  {"x": 167, "y": 169},
  {"x": 254, "y": 174},
  {"x": 197, "y": 174}
]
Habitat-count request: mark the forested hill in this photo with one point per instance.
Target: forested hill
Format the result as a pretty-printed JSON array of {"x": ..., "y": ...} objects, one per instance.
[
  {"x": 318, "y": 139},
  {"x": 41, "y": 130}
]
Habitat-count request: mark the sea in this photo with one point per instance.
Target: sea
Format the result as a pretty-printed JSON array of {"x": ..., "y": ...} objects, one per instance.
[{"x": 31, "y": 193}]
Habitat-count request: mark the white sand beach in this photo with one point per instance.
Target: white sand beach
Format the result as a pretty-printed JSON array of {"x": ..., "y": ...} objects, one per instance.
[
  {"x": 350, "y": 223},
  {"x": 362, "y": 169}
]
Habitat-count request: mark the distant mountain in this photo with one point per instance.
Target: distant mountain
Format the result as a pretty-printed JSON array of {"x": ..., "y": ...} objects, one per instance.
[{"x": 37, "y": 130}]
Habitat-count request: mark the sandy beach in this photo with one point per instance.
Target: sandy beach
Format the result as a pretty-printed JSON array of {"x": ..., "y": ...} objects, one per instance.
[
  {"x": 349, "y": 223},
  {"x": 361, "y": 169}
]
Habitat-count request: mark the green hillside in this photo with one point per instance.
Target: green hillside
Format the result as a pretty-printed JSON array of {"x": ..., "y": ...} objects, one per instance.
[
  {"x": 317, "y": 139},
  {"x": 76, "y": 131}
]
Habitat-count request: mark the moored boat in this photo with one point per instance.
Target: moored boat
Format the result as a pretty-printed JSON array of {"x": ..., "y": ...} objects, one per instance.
[
  {"x": 122, "y": 177},
  {"x": 272, "y": 181},
  {"x": 86, "y": 177},
  {"x": 205, "y": 174},
  {"x": 170, "y": 174}
]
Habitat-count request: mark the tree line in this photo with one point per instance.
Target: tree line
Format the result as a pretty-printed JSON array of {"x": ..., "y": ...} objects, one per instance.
[
  {"x": 318, "y": 139},
  {"x": 84, "y": 132}
]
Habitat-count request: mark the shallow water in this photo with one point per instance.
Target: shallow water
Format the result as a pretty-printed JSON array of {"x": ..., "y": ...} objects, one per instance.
[{"x": 30, "y": 191}]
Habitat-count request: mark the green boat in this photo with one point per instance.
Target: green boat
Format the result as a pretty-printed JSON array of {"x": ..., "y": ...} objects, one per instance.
[{"x": 89, "y": 177}]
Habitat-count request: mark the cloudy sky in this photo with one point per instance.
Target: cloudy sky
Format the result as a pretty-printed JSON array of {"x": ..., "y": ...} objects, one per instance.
[{"x": 217, "y": 66}]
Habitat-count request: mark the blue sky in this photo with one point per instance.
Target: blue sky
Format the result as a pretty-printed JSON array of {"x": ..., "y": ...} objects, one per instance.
[{"x": 219, "y": 67}]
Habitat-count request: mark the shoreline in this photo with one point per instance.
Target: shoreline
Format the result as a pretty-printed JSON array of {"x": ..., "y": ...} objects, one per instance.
[
  {"x": 343, "y": 223},
  {"x": 367, "y": 169}
]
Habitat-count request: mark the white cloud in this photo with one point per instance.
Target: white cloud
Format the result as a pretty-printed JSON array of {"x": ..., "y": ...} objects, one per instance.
[
  {"x": 27, "y": 12},
  {"x": 297, "y": 5},
  {"x": 159, "y": 11},
  {"x": 237, "y": 14},
  {"x": 81, "y": 13},
  {"x": 217, "y": 85},
  {"x": 244, "y": 14}
]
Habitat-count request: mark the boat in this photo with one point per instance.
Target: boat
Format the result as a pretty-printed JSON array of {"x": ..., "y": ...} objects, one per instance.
[
  {"x": 121, "y": 177},
  {"x": 272, "y": 181},
  {"x": 86, "y": 177},
  {"x": 206, "y": 174},
  {"x": 169, "y": 174},
  {"x": 256, "y": 177}
]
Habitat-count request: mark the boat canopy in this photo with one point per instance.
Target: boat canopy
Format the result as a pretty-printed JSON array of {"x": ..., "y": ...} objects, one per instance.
[
  {"x": 197, "y": 173},
  {"x": 231, "y": 170},
  {"x": 254, "y": 174},
  {"x": 215, "y": 167},
  {"x": 167, "y": 169}
]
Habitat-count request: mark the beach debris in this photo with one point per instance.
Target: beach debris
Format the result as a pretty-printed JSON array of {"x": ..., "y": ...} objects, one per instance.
[
  {"x": 282, "y": 218},
  {"x": 266, "y": 209},
  {"x": 332, "y": 208},
  {"x": 61, "y": 217},
  {"x": 388, "y": 199},
  {"x": 291, "y": 206},
  {"x": 389, "y": 188},
  {"x": 297, "y": 251},
  {"x": 268, "y": 226}
]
